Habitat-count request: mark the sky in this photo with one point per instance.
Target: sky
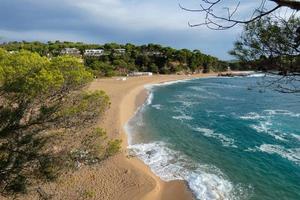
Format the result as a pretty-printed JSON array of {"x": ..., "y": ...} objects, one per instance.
[{"x": 121, "y": 21}]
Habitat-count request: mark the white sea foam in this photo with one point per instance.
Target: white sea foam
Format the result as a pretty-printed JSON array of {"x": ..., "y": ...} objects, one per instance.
[
  {"x": 257, "y": 75},
  {"x": 220, "y": 85},
  {"x": 200, "y": 89},
  {"x": 206, "y": 182},
  {"x": 227, "y": 142},
  {"x": 183, "y": 117},
  {"x": 252, "y": 115},
  {"x": 296, "y": 136},
  {"x": 281, "y": 112},
  {"x": 188, "y": 103},
  {"x": 266, "y": 127},
  {"x": 157, "y": 106},
  {"x": 150, "y": 86},
  {"x": 210, "y": 94},
  {"x": 266, "y": 114},
  {"x": 265, "y": 124},
  {"x": 290, "y": 154},
  {"x": 150, "y": 98}
]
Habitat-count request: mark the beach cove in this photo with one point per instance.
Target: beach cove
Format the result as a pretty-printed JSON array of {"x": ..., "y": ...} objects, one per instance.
[{"x": 129, "y": 178}]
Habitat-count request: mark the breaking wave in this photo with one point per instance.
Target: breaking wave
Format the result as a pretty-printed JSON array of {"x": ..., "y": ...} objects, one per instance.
[
  {"x": 227, "y": 142},
  {"x": 290, "y": 154},
  {"x": 206, "y": 182},
  {"x": 157, "y": 106}
]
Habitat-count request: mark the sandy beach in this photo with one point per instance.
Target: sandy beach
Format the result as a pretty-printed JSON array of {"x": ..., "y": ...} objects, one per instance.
[
  {"x": 121, "y": 177},
  {"x": 129, "y": 178}
]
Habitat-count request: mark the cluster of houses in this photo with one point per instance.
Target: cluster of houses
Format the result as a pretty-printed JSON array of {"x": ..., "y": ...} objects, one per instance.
[
  {"x": 101, "y": 52},
  {"x": 90, "y": 52}
]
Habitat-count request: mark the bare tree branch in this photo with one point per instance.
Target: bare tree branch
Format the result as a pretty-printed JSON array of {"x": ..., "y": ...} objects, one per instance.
[{"x": 216, "y": 21}]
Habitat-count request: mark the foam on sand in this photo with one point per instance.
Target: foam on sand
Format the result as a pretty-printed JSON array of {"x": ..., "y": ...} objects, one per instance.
[{"x": 206, "y": 182}]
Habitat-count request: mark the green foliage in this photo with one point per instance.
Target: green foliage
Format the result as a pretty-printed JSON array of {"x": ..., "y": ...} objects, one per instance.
[
  {"x": 72, "y": 69},
  {"x": 270, "y": 44},
  {"x": 151, "y": 57},
  {"x": 96, "y": 147},
  {"x": 100, "y": 68},
  {"x": 153, "y": 68},
  {"x": 39, "y": 95},
  {"x": 29, "y": 74},
  {"x": 113, "y": 147}
]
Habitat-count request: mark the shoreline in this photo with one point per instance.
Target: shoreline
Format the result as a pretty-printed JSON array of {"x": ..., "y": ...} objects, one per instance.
[
  {"x": 126, "y": 98},
  {"x": 141, "y": 94}
]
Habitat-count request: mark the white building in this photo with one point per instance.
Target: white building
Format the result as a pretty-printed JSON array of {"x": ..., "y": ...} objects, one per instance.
[
  {"x": 70, "y": 51},
  {"x": 153, "y": 53},
  {"x": 141, "y": 74},
  {"x": 120, "y": 51},
  {"x": 94, "y": 52}
]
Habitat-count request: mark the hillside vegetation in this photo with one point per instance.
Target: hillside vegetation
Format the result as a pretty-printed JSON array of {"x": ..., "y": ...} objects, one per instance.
[{"x": 151, "y": 58}]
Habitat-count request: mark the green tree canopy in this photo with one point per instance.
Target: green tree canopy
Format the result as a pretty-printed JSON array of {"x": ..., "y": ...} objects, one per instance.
[
  {"x": 270, "y": 45},
  {"x": 39, "y": 95}
]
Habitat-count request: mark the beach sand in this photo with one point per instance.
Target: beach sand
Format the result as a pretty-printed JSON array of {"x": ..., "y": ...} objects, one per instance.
[
  {"x": 120, "y": 177},
  {"x": 130, "y": 178}
]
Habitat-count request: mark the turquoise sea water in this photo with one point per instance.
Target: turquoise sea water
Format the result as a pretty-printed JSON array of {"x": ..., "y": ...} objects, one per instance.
[{"x": 226, "y": 141}]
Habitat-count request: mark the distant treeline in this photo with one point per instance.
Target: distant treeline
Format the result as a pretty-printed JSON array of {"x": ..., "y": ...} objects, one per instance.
[{"x": 152, "y": 57}]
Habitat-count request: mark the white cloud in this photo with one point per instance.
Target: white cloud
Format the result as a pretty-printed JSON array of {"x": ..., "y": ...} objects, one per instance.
[
  {"x": 136, "y": 15},
  {"x": 37, "y": 35},
  {"x": 134, "y": 21}
]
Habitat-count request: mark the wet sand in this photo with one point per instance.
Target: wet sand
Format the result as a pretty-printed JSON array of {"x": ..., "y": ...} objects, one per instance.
[{"x": 141, "y": 183}]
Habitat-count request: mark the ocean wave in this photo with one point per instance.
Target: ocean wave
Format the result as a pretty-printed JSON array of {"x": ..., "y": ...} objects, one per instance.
[
  {"x": 200, "y": 89},
  {"x": 281, "y": 112},
  {"x": 266, "y": 127},
  {"x": 267, "y": 114},
  {"x": 290, "y": 154},
  {"x": 257, "y": 75},
  {"x": 220, "y": 85},
  {"x": 210, "y": 94},
  {"x": 264, "y": 122},
  {"x": 252, "y": 115},
  {"x": 150, "y": 97},
  {"x": 183, "y": 117},
  {"x": 296, "y": 136},
  {"x": 227, "y": 142},
  {"x": 157, "y": 106},
  {"x": 188, "y": 103},
  {"x": 206, "y": 182},
  {"x": 150, "y": 86}
]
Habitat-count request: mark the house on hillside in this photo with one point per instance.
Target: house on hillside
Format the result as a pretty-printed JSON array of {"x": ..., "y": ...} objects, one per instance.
[
  {"x": 94, "y": 52},
  {"x": 120, "y": 51},
  {"x": 71, "y": 51},
  {"x": 153, "y": 53}
]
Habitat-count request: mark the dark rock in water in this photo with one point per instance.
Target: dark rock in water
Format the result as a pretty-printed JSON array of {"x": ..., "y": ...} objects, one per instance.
[{"x": 150, "y": 152}]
